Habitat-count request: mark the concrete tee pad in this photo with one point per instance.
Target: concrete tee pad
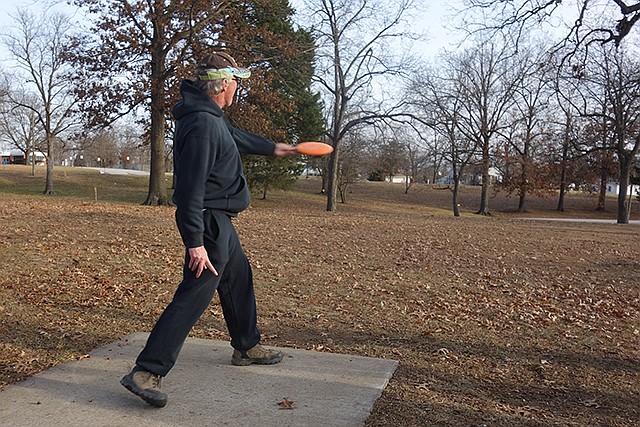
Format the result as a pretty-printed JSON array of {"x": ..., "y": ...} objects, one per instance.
[{"x": 204, "y": 390}]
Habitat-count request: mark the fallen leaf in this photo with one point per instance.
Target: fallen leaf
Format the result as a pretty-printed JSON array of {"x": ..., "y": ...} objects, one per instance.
[
  {"x": 591, "y": 403},
  {"x": 286, "y": 404}
]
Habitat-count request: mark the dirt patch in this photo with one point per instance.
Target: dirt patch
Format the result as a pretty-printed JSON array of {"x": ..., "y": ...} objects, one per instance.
[{"x": 494, "y": 321}]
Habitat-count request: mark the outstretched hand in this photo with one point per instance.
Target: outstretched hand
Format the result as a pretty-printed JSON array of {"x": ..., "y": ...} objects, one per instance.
[{"x": 284, "y": 150}]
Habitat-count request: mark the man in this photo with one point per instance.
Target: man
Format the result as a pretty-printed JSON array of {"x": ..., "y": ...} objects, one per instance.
[{"x": 210, "y": 190}]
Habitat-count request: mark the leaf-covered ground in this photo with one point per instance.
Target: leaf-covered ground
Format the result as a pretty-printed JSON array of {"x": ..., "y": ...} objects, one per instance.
[{"x": 495, "y": 321}]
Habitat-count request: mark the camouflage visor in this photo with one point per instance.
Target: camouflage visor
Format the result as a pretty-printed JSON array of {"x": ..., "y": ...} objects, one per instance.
[{"x": 223, "y": 73}]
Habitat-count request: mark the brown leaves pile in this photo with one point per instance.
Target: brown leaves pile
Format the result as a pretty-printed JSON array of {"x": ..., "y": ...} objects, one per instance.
[{"x": 493, "y": 321}]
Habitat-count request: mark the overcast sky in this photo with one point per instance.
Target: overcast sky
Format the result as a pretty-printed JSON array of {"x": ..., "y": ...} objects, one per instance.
[{"x": 435, "y": 21}]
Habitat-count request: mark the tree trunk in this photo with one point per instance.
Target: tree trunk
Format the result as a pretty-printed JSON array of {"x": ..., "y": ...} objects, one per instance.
[
  {"x": 157, "y": 179},
  {"x": 157, "y": 184},
  {"x": 524, "y": 178},
  {"x": 563, "y": 190},
  {"x": 48, "y": 186},
  {"x": 523, "y": 187},
  {"x": 31, "y": 154},
  {"x": 332, "y": 180},
  {"x": 32, "y": 148},
  {"x": 484, "y": 198},
  {"x": 456, "y": 192},
  {"x": 342, "y": 191},
  {"x": 623, "y": 205},
  {"x": 435, "y": 173},
  {"x": 339, "y": 107},
  {"x": 563, "y": 177},
  {"x": 629, "y": 203},
  {"x": 521, "y": 202},
  {"x": 602, "y": 196}
]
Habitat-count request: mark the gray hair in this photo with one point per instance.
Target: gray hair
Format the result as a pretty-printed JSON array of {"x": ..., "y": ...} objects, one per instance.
[{"x": 211, "y": 87}]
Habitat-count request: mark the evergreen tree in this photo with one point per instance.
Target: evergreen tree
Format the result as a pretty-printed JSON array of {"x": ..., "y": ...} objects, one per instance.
[{"x": 277, "y": 101}]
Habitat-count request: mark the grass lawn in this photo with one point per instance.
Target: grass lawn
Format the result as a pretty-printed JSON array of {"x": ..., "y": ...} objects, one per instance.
[{"x": 495, "y": 321}]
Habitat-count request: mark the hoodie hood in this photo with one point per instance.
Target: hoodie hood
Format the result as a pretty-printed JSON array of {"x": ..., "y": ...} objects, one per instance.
[{"x": 194, "y": 100}]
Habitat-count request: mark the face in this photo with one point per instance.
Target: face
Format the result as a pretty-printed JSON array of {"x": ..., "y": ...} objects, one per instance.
[
  {"x": 225, "y": 98},
  {"x": 230, "y": 91}
]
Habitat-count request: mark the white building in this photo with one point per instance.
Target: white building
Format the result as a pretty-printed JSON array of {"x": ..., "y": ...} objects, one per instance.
[{"x": 613, "y": 188}]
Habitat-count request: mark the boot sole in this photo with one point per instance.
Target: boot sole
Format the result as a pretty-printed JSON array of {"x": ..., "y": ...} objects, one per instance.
[{"x": 151, "y": 400}]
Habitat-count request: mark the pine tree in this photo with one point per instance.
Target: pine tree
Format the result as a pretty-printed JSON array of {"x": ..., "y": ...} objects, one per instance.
[{"x": 277, "y": 101}]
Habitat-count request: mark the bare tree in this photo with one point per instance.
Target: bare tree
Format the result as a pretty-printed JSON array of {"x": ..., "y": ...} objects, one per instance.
[
  {"x": 565, "y": 136},
  {"x": 130, "y": 146},
  {"x": 619, "y": 73},
  {"x": 4, "y": 90},
  {"x": 486, "y": 75},
  {"x": 585, "y": 135},
  {"x": 609, "y": 85},
  {"x": 402, "y": 150},
  {"x": 529, "y": 129},
  {"x": 438, "y": 98},
  {"x": 101, "y": 149},
  {"x": 349, "y": 171},
  {"x": 586, "y": 25},
  {"x": 353, "y": 54},
  {"x": 38, "y": 47},
  {"x": 20, "y": 128},
  {"x": 436, "y": 153},
  {"x": 417, "y": 157},
  {"x": 392, "y": 152},
  {"x": 596, "y": 146},
  {"x": 566, "y": 143}
]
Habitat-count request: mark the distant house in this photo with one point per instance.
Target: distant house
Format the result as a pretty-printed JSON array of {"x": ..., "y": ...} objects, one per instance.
[
  {"x": 310, "y": 171},
  {"x": 399, "y": 178},
  {"x": 471, "y": 177},
  {"x": 13, "y": 157},
  {"x": 16, "y": 157},
  {"x": 613, "y": 188}
]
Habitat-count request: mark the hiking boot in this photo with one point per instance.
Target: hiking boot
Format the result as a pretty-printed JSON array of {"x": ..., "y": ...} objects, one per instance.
[
  {"x": 258, "y": 355},
  {"x": 146, "y": 385}
]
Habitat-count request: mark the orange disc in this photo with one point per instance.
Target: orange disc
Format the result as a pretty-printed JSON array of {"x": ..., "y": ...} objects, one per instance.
[{"x": 314, "y": 148}]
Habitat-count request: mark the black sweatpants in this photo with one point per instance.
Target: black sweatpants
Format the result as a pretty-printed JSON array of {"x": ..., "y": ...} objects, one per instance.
[{"x": 235, "y": 287}]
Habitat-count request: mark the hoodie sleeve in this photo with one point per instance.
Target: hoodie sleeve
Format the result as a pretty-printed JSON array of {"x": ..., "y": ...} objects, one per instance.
[
  {"x": 249, "y": 143},
  {"x": 194, "y": 162}
]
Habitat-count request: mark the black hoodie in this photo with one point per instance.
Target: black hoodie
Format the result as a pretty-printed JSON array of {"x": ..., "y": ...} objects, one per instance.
[{"x": 207, "y": 163}]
